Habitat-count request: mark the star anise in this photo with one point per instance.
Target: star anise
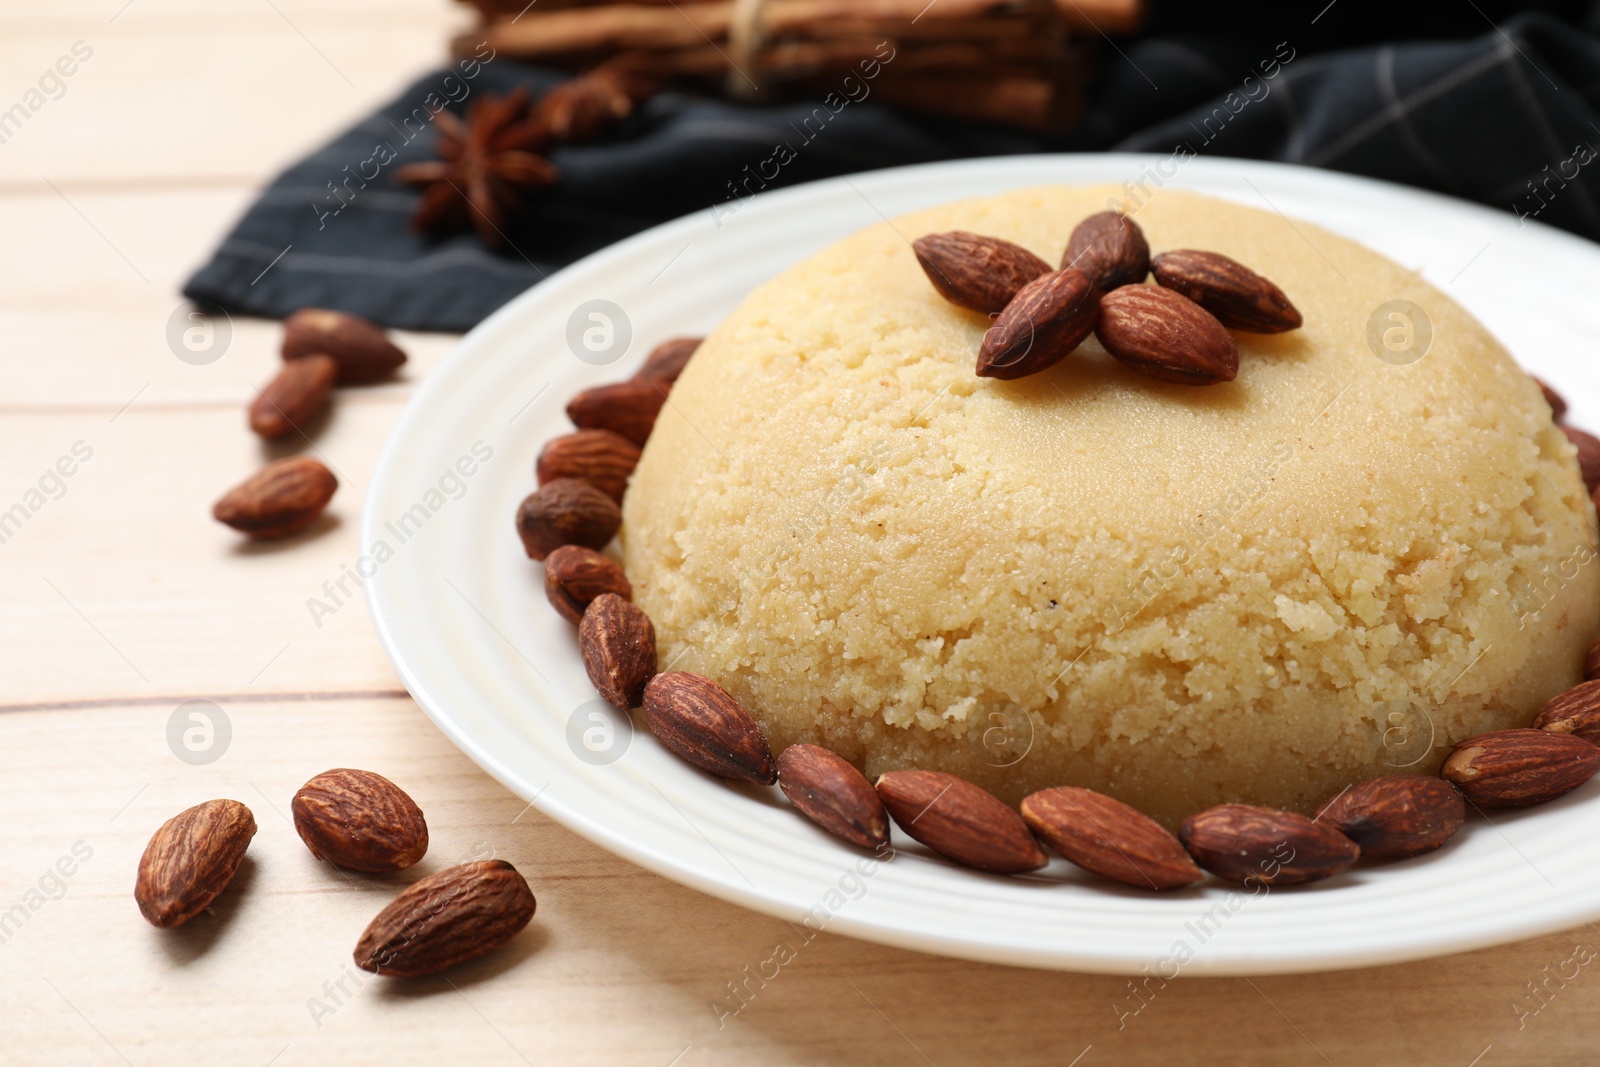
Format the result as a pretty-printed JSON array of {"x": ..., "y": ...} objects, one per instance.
[
  {"x": 490, "y": 163},
  {"x": 486, "y": 165}
]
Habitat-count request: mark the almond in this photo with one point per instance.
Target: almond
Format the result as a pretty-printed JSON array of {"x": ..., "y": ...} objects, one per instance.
[
  {"x": 1110, "y": 248},
  {"x": 976, "y": 272},
  {"x": 1558, "y": 406},
  {"x": 1520, "y": 768},
  {"x": 1588, "y": 447},
  {"x": 359, "y": 820},
  {"x": 626, "y": 408},
  {"x": 830, "y": 792},
  {"x": 1575, "y": 712},
  {"x": 1166, "y": 335},
  {"x": 599, "y": 457},
  {"x": 960, "y": 821},
  {"x": 1396, "y": 816},
  {"x": 697, "y": 719},
  {"x": 618, "y": 644},
  {"x": 1241, "y": 842},
  {"x": 566, "y": 512},
  {"x": 1045, "y": 321},
  {"x": 1591, "y": 662},
  {"x": 667, "y": 359},
  {"x": 191, "y": 859},
  {"x": 363, "y": 351},
  {"x": 1240, "y": 298},
  {"x": 1109, "y": 838},
  {"x": 281, "y": 498},
  {"x": 574, "y": 576},
  {"x": 447, "y": 918},
  {"x": 294, "y": 397}
]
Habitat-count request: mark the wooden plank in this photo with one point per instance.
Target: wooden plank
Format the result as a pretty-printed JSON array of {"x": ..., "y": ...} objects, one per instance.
[
  {"x": 191, "y": 91},
  {"x": 88, "y": 313}
]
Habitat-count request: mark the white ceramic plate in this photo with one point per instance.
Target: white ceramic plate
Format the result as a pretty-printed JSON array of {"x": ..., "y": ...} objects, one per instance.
[{"x": 462, "y": 614}]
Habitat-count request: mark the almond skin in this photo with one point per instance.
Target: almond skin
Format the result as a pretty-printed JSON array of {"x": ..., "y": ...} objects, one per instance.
[
  {"x": 960, "y": 821},
  {"x": 1045, "y": 321},
  {"x": 1110, "y": 248},
  {"x": 190, "y": 860},
  {"x": 1241, "y": 842},
  {"x": 1397, "y": 815},
  {"x": 294, "y": 397},
  {"x": 976, "y": 272},
  {"x": 282, "y": 498},
  {"x": 627, "y": 408},
  {"x": 599, "y": 457},
  {"x": 1240, "y": 298},
  {"x": 575, "y": 576},
  {"x": 1591, "y": 662},
  {"x": 1588, "y": 447},
  {"x": 618, "y": 644},
  {"x": 1166, "y": 335},
  {"x": 447, "y": 918},
  {"x": 1110, "y": 838},
  {"x": 363, "y": 351},
  {"x": 1520, "y": 768},
  {"x": 1575, "y": 712},
  {"x": 697, "y": 719},
  {"x": 830, "y": 792},
  {"x": 667, "y": 359},
  {"x": 359, "y": 820},
  {"x": 1558, "y": 406},
  {"x": 566, "y": 512}
]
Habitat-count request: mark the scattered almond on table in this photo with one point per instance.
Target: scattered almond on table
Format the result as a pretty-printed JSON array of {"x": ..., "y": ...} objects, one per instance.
[{"x": 360, "y": 821}]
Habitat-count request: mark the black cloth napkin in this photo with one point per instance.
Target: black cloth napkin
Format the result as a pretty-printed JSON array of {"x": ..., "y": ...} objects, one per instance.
[{"x": 1474, "y": 99}]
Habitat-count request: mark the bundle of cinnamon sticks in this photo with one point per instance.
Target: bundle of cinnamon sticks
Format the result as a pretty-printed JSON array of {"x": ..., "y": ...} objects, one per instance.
[{"x": 1021, "y": 63}]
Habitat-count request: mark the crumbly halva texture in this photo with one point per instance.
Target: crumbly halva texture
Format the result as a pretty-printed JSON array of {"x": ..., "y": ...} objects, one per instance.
[{"x": 1259, "y": 591}]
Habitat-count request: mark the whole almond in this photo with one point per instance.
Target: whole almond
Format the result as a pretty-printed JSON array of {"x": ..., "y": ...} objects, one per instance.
[
  {"x": 1241, "y": 842},
  {"x": 1240, "y": 298},
  {"x": 1166, "y": 335},
  {"x": 618, "y": 644},
  {"x": 1588, "y": 447},
  {"x": 1110, "y": 248},
  {"x": 599, "y": 457},
  {"x": 960, "y": 821},
  {"x": 574, "y": 576},
  {"x": 1575, "y": 712},
  {"x": 294, "y": 397},
  {"x": 1396, "y": 816},
  {"x": 363, "y": 351},
  {"x": 1520, "y": 768},
  {"x": 1045, "y": 321},
  {"x": 447, "y": 918},
  {"x": 667, "y": 359},
  {"x": 1109, "y": 838},
  {"x": 281, "y": 498},
  {"x": 1591, "y": 662},
  {"x": 566, "y": 512},
  {"x": 627, "y": 408},
  {"x": 976, "y": 272},
  {"x": 830, "y": 792},
  {"x": 1558, "y": 406},
  {"x": 697, "y": 719},
  {"x": 359, "y": 820},
  {"x": 191, "y": 859}
]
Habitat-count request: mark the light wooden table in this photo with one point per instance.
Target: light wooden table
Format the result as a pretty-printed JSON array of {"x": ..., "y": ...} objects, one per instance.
[{"x": 122, "y": 599}]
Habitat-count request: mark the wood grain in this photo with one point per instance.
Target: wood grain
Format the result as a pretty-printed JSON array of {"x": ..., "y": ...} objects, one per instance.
[{"x": 122, "y": 599}]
